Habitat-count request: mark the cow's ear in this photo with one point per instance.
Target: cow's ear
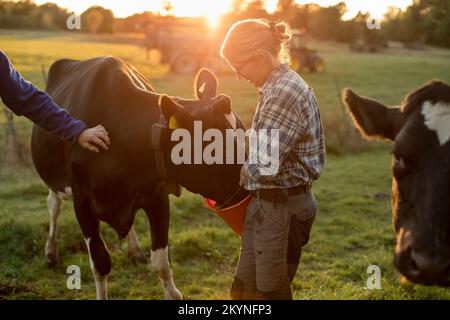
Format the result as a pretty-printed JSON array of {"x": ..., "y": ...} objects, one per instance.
[
  {"x": 171, "y": 111},
  {"x": 222, "y": 106},
  {"x": 205, "y": 84},
  {"x": 372, "y": 118}
]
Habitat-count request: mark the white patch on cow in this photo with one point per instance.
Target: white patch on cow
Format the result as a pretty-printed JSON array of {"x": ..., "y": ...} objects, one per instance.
[
  {"x": 54, "y": 204},
  {"x": 201, "y": 89},
  {"x": 66, "y": 194},
  {"x": 101, "y": 282},
  {"x": 231, "y": 118},
  {"x": 437, "y": 118},
  {"x": 160, "y": 262}
]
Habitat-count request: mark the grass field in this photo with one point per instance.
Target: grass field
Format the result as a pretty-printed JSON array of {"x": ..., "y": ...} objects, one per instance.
[{"x": 352, "y": 228}]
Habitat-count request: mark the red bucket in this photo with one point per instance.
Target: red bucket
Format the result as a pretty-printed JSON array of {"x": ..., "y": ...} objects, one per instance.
[{"x": 234, "y": 216}]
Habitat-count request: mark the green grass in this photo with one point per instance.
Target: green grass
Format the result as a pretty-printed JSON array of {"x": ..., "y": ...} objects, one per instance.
[{"x": 352, "y": 229}]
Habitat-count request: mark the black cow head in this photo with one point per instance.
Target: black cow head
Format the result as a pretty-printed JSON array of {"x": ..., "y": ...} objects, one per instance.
[
  {"x": 420, "y": 129},
  {"x": 217, "y": 179}
]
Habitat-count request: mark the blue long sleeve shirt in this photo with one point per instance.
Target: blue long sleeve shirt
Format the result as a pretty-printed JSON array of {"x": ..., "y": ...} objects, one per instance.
[{"x": 24, "y": 99}]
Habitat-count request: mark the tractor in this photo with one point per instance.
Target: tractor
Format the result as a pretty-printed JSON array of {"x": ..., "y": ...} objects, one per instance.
[
  {"x": 302, "y": 57},
  {"x": 186, "y": 44}
]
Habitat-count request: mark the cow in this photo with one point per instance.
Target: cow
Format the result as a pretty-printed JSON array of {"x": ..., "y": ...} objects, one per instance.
[
  {"x": 420, "y": 130},
  {"x": 134, "y": 174}
]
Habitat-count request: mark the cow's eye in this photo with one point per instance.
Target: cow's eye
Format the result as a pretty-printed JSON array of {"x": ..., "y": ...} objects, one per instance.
[
  {"x": 399, "y": 162},
  {"x": 401, "y": 167}
]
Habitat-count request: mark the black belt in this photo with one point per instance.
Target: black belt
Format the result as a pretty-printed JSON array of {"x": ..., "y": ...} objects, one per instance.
[{"x": 280, "y": 194}]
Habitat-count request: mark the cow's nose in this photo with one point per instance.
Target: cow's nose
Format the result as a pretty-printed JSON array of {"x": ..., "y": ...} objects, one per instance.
[{"x": 428, "y": 267}]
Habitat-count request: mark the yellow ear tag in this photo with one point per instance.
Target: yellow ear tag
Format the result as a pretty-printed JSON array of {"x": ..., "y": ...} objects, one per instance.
[{"x": 173, "y": 123}]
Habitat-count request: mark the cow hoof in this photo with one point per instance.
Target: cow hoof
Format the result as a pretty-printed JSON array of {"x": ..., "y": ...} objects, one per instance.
[
  {"x": 174, "y": 294},
  {"x": 51, "y": 253},
  {"x": 138, "y": 257}
]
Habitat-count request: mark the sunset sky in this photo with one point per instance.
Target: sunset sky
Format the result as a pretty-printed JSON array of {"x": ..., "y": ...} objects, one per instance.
[{"x": 214, "y": 8}]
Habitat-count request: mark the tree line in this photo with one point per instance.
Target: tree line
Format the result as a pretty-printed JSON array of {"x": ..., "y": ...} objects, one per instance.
[
  {"x": 25, "y": 14},
  {"x": 424, "y": 21}
]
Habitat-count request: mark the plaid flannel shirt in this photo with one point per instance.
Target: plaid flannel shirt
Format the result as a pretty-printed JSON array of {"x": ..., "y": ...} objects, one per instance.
[{"x": 288, "y": 104}]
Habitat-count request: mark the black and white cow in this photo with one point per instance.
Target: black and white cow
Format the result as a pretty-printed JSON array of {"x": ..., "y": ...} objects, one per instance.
[
  {"x": 420, "y": 129},
  {"x": 111, "y": 186}
]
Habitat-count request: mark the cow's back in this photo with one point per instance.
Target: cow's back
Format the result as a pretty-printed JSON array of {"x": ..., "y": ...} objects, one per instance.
[{"x": 107, "y": 91}]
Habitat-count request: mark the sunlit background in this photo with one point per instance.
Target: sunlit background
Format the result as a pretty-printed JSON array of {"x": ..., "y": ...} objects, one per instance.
[
  {"x": 353, "y": 227},
  {"x": 212, "y": 9}
]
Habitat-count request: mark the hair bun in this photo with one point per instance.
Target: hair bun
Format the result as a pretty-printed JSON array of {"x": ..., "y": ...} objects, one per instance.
[
  {"x": 277, "y": 27},
  {"x": 280, "y": 30},
  {"x": 280, "y": 27}
]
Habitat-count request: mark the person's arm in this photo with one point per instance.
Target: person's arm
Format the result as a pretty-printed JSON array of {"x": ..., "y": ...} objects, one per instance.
[{"x": 24, "y": 99}]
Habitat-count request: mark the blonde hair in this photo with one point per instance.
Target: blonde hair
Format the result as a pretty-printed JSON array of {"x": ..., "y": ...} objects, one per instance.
[{"x": 247, "y": 38}]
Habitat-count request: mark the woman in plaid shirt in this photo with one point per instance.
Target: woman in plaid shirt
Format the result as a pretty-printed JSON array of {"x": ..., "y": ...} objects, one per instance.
[{"x": 282, "y": 210}]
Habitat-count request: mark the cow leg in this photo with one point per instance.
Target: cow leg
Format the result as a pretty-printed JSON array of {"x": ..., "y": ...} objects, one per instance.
[
  {"x": 158, "y": 215},
  {"x": 54, "y": 203},
  {"x": 161, "y": 263},
  {"x": 100, "y": 260},
  {"x": 100, "y": 265},
  {"x": 134, "y": 251}
]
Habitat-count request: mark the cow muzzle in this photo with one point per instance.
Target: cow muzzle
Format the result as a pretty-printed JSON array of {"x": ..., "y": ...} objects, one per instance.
[{"x": 424, "y": 265}]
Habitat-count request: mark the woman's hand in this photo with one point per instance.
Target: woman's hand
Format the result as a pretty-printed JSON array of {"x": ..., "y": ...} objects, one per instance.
[
  {"x": 243, "y": 176},
  {"x": 93, "y": 138}
]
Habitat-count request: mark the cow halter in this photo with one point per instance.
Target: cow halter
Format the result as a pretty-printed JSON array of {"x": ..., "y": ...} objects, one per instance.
[{"x": 160, "y": 134}]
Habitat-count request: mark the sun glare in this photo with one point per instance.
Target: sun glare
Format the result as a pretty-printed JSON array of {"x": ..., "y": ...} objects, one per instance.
[
  {"x": 271, "y": 5},
  {"x": 213, "y": 20},
  {"x": 213, "y": 9}
]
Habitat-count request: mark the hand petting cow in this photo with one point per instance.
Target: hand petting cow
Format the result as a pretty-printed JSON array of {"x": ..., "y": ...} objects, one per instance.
[{"x": 420, "y": 130}]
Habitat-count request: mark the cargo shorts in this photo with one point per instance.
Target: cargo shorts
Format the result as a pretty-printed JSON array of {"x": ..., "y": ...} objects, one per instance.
[{"x": 272, "y": 241}]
